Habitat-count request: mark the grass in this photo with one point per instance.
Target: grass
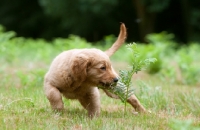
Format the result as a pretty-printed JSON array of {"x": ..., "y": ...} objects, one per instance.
[{"x": 23, "y": 105}]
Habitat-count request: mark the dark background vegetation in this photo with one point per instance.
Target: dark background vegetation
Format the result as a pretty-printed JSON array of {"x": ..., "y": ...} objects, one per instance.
[{"x": 94, "y": 19}]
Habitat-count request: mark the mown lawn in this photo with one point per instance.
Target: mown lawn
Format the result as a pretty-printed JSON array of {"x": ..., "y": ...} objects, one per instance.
[{"x": 23, "y": 105}]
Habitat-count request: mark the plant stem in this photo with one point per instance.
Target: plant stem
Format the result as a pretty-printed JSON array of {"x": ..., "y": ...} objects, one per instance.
[{"x": 127, "y": 91}]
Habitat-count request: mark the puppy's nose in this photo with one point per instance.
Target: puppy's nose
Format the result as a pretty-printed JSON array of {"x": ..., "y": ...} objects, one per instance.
[{"x": 115, "y": 80}]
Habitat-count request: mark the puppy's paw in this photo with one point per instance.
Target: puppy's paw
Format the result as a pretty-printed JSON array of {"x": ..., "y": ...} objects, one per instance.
[
  {"x": 141, "y": 111},
  {"x": 135, "y": 113},
  {"x": 149, "y": 112}
]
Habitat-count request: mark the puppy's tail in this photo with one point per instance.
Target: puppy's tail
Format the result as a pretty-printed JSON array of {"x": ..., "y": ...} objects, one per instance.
[{"x": 120, "y": 40}]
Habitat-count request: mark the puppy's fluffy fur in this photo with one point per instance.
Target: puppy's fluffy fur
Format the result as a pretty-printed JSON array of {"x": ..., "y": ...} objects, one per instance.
[{"x": 76, "y": 73}]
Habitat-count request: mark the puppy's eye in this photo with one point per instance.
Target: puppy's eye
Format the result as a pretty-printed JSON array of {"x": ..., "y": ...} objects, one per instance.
[{"x": 103, "y": 68}]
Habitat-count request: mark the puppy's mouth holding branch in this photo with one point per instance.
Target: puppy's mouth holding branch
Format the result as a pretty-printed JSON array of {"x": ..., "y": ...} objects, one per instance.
[{"x": 107, "y": 85}]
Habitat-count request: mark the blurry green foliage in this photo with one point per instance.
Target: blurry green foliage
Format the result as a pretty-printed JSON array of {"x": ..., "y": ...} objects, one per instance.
[
  {"x": 79, "y": 16},
  {"x": 13, "y": 48},
  {"x": 61, "y": 7},
  {"x": 175, "y": 64},
  {"x": 156, "y": 5},
  {"x": 95, "y": 19},
  {"x": 188, "y": 62}
]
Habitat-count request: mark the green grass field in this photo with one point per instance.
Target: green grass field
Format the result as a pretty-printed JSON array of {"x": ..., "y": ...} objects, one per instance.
[{"x": 169, "y": 88}]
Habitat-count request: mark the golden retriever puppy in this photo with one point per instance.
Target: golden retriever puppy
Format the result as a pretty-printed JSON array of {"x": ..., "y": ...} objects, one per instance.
[{"x": 76, "y": 73}]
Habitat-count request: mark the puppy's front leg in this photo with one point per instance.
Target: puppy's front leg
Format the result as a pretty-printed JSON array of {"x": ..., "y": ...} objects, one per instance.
[
  {"x": 91, "y": 102},
  {"x": 54, "y": 96}
]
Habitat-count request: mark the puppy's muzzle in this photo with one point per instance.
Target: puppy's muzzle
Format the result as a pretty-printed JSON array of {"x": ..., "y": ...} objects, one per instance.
[{"x": 109, "y": 84}]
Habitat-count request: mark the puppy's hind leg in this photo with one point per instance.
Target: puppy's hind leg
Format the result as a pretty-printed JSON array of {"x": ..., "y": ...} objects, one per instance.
[
  {"x": 91, "y": 102},
  {"x": 54, "y": 97},
  {"x": 135, "y": 103}
]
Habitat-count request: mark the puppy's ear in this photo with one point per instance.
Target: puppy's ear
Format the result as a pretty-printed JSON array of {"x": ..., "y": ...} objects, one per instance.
[{"x": 79, "y": 68}]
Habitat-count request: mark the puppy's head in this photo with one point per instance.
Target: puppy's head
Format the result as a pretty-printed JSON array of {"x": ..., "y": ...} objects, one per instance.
[
  {"x": 95, "y": 67},
  {"x": 100, "y": 71}
]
